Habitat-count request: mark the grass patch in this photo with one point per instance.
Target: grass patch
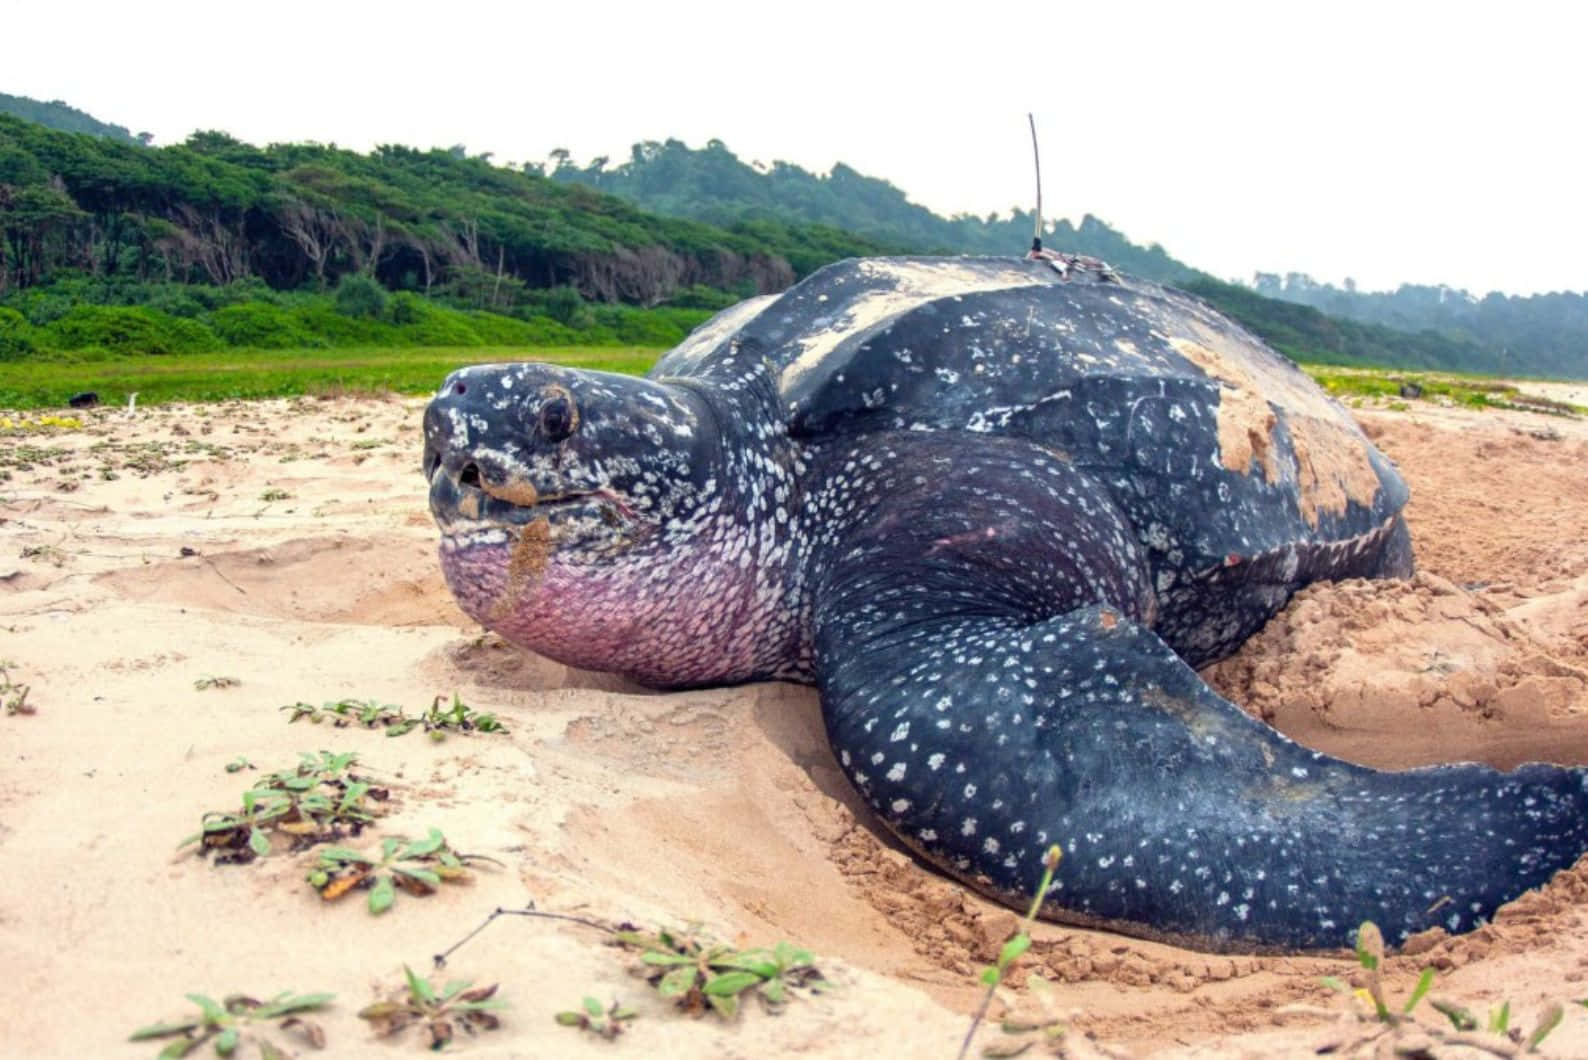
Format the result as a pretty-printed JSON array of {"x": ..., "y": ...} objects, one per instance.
[
  {"x": 48, "y": 383},
  {"x": 1391, "y": 386}
]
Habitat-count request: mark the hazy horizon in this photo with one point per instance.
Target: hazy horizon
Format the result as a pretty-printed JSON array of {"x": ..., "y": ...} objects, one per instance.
[{"x": 1417, "y": 145}]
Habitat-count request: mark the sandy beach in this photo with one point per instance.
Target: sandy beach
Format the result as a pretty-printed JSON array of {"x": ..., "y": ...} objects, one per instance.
[{"x": 286, "y": 545}]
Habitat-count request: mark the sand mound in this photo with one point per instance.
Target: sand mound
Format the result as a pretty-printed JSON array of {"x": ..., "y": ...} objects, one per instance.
[{"x": 1401, "y": 674}]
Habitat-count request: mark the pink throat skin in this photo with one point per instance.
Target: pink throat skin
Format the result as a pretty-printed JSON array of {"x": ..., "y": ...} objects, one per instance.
[{"x": 667, "y": 618}]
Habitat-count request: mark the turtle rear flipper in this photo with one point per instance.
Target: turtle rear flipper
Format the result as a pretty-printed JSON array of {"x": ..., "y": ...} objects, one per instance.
[{"x": 982, "y": 735}]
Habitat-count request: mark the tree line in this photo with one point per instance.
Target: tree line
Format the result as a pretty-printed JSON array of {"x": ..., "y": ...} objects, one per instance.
[
  {"x": 712, "y": 184},
  {"x": 1546, "y": 333},
  {"x": 114, "y": 221},
  {"x": 215, "y": 210}
]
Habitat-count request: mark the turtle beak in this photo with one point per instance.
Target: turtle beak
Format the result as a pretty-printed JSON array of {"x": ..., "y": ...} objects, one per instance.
[
  {"x": 472, "y": 486},
  {"x": 466, "y": 466},
  {"x": 482, "y": 434}
]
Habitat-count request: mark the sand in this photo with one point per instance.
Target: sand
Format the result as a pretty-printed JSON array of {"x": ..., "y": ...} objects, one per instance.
[{"x": 287, "y": 545}]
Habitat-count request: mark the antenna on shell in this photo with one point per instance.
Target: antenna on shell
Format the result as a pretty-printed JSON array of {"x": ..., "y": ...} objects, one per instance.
[{"x": 1036, "y": 158}]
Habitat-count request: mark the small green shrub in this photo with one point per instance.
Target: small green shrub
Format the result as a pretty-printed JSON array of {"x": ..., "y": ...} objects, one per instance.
[
  {"x": 702, "y": 297},
  {"x": 544, "y": 331},
  {"x": 496, "y": 330},
  {"x": 16, "y": 337},
  {"x": 358, "y": 295},
  {"x": 649, "y": 327},
  {"x": 44, "y": 305},
  {"x": 564, "y": 304},
  {"x": 175, "y": 301},
  {"x": 320, "y": 316},
  {"x": 1011, "y": 951},
  {"x": 129, "y": 329},
  {"x": 261, "y": 326},
  {"x": 423, "y": 323},
  {"x": 405, "y": 307}
]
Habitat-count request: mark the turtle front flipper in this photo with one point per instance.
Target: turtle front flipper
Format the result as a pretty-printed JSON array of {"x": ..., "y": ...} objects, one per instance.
[
  {"x": 990, "y": 685},
  {"x": 981, "y": 741}
]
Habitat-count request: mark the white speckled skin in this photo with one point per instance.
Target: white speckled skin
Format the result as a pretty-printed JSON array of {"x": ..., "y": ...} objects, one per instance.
[{"x": 991, "y": 512}]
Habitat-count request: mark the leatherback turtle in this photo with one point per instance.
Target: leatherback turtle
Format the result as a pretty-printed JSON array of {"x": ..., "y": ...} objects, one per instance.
[{"x": 996, "y": 511}]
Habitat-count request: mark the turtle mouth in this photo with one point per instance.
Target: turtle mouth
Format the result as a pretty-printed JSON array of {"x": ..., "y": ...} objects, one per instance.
[{"x": 472, "y": 510}]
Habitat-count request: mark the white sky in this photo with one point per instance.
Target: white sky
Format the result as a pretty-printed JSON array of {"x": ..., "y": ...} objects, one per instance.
[{"x": 1391, "y": 142}]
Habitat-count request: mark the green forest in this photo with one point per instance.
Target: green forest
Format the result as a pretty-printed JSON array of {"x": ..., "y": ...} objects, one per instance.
[
  {"x": 214, "y": 243},
  {"x": 59, "y": 115},
  {"x": 109, "y": 245},
  {"x": 1545, "y": 335},
  {"x": 1545, "y": 332},
  {"x": 712, "y": 185}
]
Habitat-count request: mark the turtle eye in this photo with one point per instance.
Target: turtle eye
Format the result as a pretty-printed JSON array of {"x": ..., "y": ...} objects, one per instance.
[{"x": 557, "y": 419}]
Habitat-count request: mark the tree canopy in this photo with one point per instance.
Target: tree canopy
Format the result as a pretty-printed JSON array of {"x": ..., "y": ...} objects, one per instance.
[
  {"x": 216, "y": 210},
  {"x": 1542, "y": 333},
  {"x": 671, "y": 225},
  {"x": 58, "y": 115},
  {"x": 711, "y": 184}
]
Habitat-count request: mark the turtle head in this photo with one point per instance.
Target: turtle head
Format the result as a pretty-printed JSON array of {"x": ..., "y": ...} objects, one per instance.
[
  {"x": 578, "y": 508},
  {"x": 602, "y": 460}
]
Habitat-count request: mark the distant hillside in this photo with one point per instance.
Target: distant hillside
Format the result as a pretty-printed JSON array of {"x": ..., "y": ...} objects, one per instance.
[
  {"x": 58, "y": 115},
  {"x": 712, "y": 184},
  {"x": 215, "y": 210},
  {"x": 1305, "y": 334},
  {"x": 1546, "y": 333},
  {"x": 91, "y": 209}
]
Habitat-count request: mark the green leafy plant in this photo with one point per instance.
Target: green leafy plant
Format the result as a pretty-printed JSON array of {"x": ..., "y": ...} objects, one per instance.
[
  {"x": 698, "y": 974},
  {"x": 344, "y": 712},
  {"x": 1023, "y": 1031},
  {"x": 319, "y": 801},
  {"x": 591, "y": 1016},
  {"x": 457, "y": 717},
  {"x": 204, "y": 683},
  {"x": 1011, "y": 950},
  {"x": 358, "y": 295},
  {"x": 13, "y": 696},
  {"x": 438, "y": 721},
  {"x": 418, "y": 866},
  {"x": 275, "y": 494},
  {"x": 238, "y": 1019},
  {"x": 1370, "y": 955},
  {"x": 458, "y": 1005}
]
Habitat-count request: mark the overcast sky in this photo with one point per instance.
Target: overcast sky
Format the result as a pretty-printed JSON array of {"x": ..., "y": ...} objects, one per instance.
[{"x": 1436, "y": 143}]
